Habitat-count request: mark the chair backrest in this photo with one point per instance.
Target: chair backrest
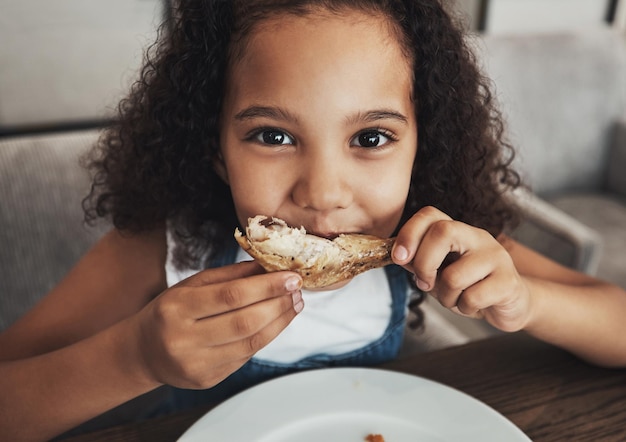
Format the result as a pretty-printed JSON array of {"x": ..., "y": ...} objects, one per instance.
[
  {"x": 42, "y": 234},
  {"x": 561, "y": 94}
]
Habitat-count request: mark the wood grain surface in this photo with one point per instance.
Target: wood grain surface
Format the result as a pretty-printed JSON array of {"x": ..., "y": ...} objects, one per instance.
[{"x": 546, "y": 392}]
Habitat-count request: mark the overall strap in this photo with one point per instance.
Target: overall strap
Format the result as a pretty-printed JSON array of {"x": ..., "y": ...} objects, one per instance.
[
  {"x": 224, "y": 257},
  {"x": 398, "y": 285}
]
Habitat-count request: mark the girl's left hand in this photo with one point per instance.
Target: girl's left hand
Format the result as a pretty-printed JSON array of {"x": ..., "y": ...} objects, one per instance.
[{"x": 465, "y": 268}]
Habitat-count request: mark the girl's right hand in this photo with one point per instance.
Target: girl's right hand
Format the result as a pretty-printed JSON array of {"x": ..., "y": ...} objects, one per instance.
[{"x": 201, "y": 330}]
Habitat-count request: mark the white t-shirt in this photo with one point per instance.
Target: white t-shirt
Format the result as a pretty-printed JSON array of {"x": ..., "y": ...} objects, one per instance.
[{"x": 332, "y": 322}]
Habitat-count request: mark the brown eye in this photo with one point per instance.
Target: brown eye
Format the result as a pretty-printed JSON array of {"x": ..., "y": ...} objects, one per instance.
[
  {"x": 370, "y": 139},
  {"x": 274, "y": 137}
]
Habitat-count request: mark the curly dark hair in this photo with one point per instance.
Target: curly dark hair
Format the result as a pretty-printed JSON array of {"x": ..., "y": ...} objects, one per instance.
[{"x": 154, "y": 164}]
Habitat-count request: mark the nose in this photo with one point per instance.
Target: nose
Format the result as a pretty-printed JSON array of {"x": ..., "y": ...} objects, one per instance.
[{"x": 323, "y": 184}]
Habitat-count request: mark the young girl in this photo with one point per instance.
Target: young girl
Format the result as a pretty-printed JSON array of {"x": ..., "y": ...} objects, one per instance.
[{"x": 337, "y": 115}]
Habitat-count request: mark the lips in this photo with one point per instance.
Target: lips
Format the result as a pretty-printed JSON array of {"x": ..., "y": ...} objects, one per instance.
[{"x": 324, "y": 229}]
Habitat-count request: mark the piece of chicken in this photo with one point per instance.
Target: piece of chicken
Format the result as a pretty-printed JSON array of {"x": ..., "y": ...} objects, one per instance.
[{"x": 320, "y": 261}]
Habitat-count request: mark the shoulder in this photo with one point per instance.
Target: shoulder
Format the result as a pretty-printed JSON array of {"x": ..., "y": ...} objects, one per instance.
[
  {"x": 129, "y": 255},
  {"x": 153, "y": 241},
  {"x": 126, "y": 268}
]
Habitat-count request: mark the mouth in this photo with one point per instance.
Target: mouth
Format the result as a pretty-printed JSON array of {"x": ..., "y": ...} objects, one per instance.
[
  {"x": 321, "y": 263},
  {"x": 317, "y": 229},
  {"x": 328, "y": 236}
]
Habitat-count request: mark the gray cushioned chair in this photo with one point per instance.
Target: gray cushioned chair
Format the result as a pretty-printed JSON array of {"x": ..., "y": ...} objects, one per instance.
[
  {"x": 42, "y": 233},
  {"x": 41, "y": 223},
  {"x": 564, "y": 97}
]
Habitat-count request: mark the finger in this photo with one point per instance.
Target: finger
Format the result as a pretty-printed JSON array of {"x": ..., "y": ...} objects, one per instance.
[
  {"x": 446, "y": 242},
  {"x": 494, "y": 299},
  {"x": 248, "y": 346},
  {"x": 222, "y": 274},
  {"x": 462, "y": 274},
  {"x": 196, "y": 362},
  {"x": 476, "y": 298},
  {"x": 441, "y": 239},
  {"x": 206, "y": 301},
  {"x": 476, "y": 315},
  {"x": 247, "y": 321},
  {"x": 412, "y": 233}
]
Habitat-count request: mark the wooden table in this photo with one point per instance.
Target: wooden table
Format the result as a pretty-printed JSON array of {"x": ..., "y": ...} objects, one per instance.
[{"x": 546, "y": 392}]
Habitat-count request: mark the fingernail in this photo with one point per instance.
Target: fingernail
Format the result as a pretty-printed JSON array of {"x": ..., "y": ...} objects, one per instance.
[
  {"x": 400, "y": 253},
  {"x": 424, "y": 286},
  {"x": 298, "y": 302},
  {"x": 292, "y": 284}
]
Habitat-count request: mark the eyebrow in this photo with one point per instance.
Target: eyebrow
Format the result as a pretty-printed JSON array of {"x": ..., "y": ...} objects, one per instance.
[
  {"x": 275, "y": 113},
  {"x": 375, "y": 115}
]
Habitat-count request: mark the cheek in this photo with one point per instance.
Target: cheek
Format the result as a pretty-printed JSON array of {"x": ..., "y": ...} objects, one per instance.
[
  {"x": 384, "y": 196},
  {"x": 255, "y": 189},
  {"x": 390, "y": 198}
]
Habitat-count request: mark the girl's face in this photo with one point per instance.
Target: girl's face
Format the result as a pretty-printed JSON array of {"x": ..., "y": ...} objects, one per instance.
[{"x": 318, "y": 125}]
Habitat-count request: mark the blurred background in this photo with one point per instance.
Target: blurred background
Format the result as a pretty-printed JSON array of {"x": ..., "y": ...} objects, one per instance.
[
  {"x": 559, "y": 75},
  {"x": 65, "y": 63}
]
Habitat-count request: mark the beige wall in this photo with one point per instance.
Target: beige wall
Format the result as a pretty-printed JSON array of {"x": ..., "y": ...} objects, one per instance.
[
  {"x": 65, "y": 61},
  {"x": 514, "y": 16},
  {"x": 522, "y": 16},
  {"x": 620, "y": 16},
  {"x": 69, "y": 60}
]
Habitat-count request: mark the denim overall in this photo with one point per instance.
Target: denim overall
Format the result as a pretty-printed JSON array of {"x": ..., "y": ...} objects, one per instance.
[{"x": 255, "y": 371}]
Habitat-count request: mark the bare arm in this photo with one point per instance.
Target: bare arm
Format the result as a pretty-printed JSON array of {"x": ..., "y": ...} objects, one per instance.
[
  {"x": 45, "y": 395},
  {"x": 67, "y": 351},
  {"x": 102, "y": 337},
  {"x": 99, "y": 291},
  {"x": 513, "y": 287},
  {"x": 575, "y": 311}
]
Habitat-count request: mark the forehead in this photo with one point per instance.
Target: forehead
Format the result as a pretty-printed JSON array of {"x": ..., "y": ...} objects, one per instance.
[
  {"x": 253, "y": 21},
  {"x": 320, "y": 40}
]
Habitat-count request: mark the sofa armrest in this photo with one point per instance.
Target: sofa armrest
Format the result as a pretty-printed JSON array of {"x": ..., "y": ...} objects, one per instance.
[
  {"x": 41, "y": 219},
  {"x": 554, "y": 233}
]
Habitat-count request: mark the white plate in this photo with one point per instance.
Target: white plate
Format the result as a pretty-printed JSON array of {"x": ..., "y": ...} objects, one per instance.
[{"x": 347, "y": 404}]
